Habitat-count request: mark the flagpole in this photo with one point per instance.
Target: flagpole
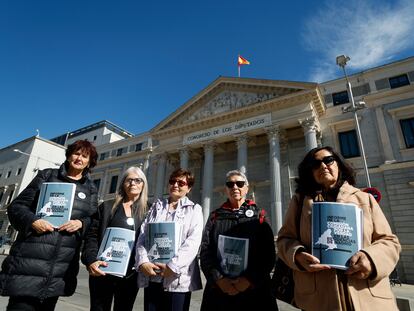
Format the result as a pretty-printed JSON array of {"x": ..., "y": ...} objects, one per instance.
[{"x": 238, "y": 65}]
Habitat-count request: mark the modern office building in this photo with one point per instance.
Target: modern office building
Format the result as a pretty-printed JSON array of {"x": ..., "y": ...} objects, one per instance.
[
  {"x": 19, "y": 164},
  {"x": 102, "y": 132}
]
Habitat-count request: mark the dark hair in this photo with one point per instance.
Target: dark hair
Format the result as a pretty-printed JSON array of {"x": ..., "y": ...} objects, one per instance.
[
  {"x": 307, "y": 185},
  {"x": 84, "y": 146},
  {"x": 180, "y": 172}
]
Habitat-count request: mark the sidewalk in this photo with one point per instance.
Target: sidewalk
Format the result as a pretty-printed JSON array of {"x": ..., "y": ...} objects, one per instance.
[
  {"x": 405, "y": 296},
  {"x": 80, "y": 300}
]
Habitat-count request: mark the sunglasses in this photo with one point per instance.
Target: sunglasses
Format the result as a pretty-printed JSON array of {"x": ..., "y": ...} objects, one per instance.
[
  {"x": 328, "y": 160},
  {"x": 239, "y": 184},
  {"x": 134, "y": 180},
  {"x": 180, "y": 183}
]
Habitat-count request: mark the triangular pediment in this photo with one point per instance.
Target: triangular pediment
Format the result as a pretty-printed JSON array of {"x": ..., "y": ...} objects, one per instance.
[{"x": 229, "y": 94}]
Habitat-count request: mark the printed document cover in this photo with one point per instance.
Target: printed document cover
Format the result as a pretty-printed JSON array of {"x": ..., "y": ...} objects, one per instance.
[
  {"x": 115, "y": 249},
  {"x": 163, "y": 240},
  {"x": 55, "y": 202},
  {"x": 233, "y": 255},
  {"x": 336, "y": 232}
]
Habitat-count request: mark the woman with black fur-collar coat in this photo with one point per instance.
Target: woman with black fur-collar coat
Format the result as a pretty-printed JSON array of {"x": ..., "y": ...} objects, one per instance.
[{"x": 238, "y": 218}]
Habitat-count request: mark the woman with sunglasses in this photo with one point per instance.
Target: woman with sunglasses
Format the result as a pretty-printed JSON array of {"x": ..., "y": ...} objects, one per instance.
[
  {"x": 169, "y": 286},
  {"x": 238, "y": 218},
  {"x": 126, "y": 211},
  {"x": 324, "y": 175}
]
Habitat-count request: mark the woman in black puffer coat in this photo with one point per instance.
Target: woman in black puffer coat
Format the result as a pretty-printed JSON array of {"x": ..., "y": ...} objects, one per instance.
[{"x": 44, "y": 261}]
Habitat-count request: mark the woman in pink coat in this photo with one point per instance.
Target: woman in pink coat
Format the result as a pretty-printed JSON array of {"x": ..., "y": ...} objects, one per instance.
[{"x": 365, "y": 284}]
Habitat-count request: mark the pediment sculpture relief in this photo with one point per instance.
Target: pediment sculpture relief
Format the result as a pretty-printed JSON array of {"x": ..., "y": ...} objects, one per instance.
[{"x": 227, "y": 101}]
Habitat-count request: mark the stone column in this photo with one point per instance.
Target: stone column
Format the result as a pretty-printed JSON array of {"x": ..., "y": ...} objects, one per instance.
[
  {"x": 4, "y": 190},
  {"x": 102, "y": 189},
  {"x": 384, "y": 137},
  {"x": 275, "y": 186},
  {"x": 242, "y": 152},
  {"x": 146, "y": 164},
  {"x": 207, "y": 194},
  {"x": 310, "y": 127},
  {"x": 159, "y": 188},
  {"x": 184, "y": 155}
]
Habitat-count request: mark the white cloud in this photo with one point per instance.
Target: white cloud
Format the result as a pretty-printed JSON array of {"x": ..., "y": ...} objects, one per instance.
[{"x": 370, "y": 32}]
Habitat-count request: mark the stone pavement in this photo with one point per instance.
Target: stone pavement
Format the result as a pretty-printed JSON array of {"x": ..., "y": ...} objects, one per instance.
[{"x": 80, "y": 300}]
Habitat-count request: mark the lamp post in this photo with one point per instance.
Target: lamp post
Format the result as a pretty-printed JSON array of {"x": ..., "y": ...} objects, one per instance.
[{"x": 341, "y": 62}]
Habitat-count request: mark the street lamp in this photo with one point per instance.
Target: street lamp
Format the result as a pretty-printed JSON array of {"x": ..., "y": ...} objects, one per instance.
[
  {"x": 37, "y": 157},
  {"x": 341, "y": 61}
]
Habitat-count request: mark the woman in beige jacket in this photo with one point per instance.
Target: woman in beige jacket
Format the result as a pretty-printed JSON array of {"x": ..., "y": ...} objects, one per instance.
[{"x": 365, "y": 284}]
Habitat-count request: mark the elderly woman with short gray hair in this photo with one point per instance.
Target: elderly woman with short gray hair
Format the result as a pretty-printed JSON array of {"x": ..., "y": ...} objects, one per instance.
[{"x": 237, "y": 219}]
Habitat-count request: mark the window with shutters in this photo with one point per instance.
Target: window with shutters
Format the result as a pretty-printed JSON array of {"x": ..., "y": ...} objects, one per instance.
[
  {"x": 340, "y": 98},
  {"x": 348, "y": 143},
  {"x": 97, "y": 183},
  {"x": 10, "y": 197},
  {"x": 399, "y": 81},
  {"x": 407, "y": 127},
  {"x": 114, "y": 182}
]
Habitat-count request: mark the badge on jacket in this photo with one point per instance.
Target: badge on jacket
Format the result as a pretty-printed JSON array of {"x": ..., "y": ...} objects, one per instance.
[{"x": 249, "y": 213}]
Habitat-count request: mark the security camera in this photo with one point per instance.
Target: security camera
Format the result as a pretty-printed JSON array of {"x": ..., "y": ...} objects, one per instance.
[{"x": 361, "y": 105}]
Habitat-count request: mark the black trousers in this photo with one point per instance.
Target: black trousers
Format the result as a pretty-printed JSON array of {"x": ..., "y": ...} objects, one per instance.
[
  {"x": 104, "y": 289},
  {"x": 31, "y": 304},
  {"x": 156, "y": 299},
  {"x": 259, "y": 298}
]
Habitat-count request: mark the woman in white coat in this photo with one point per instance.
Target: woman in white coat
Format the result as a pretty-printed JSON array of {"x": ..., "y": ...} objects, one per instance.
[{"x": 168, "y": 286}]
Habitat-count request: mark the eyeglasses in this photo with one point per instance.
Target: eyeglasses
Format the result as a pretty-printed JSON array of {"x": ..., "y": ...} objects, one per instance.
[
  {"x": 328, "y": 160},
  {"x": 238, "y": 183},
  {"x": 134, "y": 180},
  {"x": 180, "y": 183}
]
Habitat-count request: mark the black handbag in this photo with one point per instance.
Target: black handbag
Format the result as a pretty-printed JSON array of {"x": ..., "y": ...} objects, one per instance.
[
  {"x": 282, "y": 282},
  {"x": 283, "y": 285}
]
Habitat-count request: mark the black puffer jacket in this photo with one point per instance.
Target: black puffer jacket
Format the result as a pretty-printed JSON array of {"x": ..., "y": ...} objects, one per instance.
[{"x": 45, "y": 265}]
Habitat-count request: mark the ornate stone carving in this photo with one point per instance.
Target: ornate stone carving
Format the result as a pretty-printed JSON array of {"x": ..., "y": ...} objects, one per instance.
[
  {"x": 272, "y": 132},
  {"x": 242, "y": 140},
  {"x": 309, "y": 124},
  {"x": 229, "y": 100}
]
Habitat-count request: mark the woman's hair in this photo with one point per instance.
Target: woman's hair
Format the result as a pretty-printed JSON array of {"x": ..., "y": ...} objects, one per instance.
[
  {"x": 237, "y": 173},
  {"x": 306, "y": 183},
  {"x": 180, "y": 172},
  {"x": 86, "y": 147},
  {"x": 139, "y": 207}
]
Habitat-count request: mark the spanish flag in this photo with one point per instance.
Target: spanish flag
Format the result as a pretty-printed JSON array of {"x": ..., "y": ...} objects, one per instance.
[{"x": 242, "y": 61}]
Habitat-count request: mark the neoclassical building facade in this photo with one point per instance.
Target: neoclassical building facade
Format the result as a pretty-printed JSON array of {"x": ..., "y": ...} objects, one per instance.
[{"x": 264, "y": 128}]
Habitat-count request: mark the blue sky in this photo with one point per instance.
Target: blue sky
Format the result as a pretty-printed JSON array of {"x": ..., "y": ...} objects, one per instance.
[{"x": 67, "y": 64}]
